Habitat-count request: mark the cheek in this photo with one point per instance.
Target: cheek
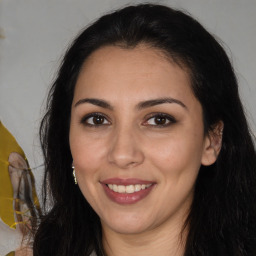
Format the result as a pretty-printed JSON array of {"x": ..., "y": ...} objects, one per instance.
[
  {"x": 177, "y": 156},
  {"x": 88, "y": 153},
  {"x": 88, "y": 157}
]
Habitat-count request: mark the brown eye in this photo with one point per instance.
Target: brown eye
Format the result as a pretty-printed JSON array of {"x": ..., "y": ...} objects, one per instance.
[
  {"x": 160, "y": 120},
  {"x": 95, "y": 119},
  {"x": 98, "y": 120}
]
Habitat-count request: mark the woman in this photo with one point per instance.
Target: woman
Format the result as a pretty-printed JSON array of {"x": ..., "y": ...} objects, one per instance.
[{"x": 147, "y": 149}]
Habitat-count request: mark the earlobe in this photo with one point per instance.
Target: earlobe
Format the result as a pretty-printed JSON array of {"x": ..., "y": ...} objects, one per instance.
[{"x": 213, "y": 143}]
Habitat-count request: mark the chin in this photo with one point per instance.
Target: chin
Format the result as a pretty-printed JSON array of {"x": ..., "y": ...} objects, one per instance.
[
  {"x": 129, "y": 225},
  {"x": 128, "y": 229}
]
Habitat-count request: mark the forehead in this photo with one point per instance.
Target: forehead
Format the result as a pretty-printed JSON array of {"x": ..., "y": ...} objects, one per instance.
[
  {"x": 139, "y": 72},
  {"x": 139, "y": 55}
]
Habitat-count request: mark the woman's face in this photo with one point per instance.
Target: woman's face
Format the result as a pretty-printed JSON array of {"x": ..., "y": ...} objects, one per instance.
[{"x": 137, "y": 138}]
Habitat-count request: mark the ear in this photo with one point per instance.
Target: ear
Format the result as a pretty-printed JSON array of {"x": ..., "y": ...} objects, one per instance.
[{"x": 212, "y": 144}]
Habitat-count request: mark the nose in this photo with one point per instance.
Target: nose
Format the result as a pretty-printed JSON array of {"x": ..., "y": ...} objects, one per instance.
[{"x": 125, "y": 150}]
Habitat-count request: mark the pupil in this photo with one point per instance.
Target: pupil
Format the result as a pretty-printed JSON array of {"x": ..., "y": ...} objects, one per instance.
[
  {"x": 160, "y": 120},
  {"x": 98, "y": 119}
]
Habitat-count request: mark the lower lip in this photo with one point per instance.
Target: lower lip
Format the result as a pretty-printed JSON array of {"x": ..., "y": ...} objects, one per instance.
[{"x": 127, "y": 198}]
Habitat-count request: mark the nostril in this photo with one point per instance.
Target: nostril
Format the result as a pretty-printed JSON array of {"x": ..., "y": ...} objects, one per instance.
[
  {"x": 126, "y": 160},
  {"x": 124, "y": 151}
]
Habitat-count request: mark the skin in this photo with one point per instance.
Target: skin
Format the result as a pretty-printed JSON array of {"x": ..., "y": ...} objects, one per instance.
[{"x": 130, "y": 144}]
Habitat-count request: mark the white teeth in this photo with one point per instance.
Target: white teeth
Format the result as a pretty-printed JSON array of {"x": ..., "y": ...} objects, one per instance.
[
  {"x": 121, "y": 189},
  {"x": 115, "y": 188},
  {"x": 137, "y": 187},
  {"x": 129, "y": 188}
]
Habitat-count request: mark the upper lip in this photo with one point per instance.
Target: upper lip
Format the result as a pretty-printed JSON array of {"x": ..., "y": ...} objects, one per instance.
[{"x": 125, "y": 182}]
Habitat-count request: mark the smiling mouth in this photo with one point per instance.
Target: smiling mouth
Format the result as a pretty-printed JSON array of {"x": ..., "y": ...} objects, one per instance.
[{"x": 128, "y": 189}]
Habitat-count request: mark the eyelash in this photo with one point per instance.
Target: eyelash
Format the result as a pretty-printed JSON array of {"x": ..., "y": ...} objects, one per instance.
[
  {"x": 85, "y": 119},
  {"x": 167, "y": 118},
  {"x": 171, "y": 120}
]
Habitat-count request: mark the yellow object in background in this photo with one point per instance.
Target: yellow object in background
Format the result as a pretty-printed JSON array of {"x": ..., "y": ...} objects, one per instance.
[
  {"x": 11, "y": 254},
  {"x": 8, "y": 144},
  {"x": 19, "y": 206}
]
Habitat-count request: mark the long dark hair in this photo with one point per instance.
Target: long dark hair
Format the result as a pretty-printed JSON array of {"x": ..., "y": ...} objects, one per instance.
[{"x": 222, "y": 219}]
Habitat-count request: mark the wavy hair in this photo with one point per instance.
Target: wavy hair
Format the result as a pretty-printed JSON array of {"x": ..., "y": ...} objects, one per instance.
[{"x": 222, "y": 218}]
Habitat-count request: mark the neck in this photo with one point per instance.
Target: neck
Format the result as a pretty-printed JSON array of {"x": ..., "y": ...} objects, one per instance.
[{"x": 162, "y": 240}]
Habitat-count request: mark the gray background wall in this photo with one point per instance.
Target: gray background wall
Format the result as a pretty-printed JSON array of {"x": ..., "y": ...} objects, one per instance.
[{"x": 35, "y": 33}]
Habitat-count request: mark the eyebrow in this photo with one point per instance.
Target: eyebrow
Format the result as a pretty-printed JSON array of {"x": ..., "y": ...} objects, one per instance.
[
  {"x": 145, "y": 104},
  {"x": 154, "y": 102},
  {"x": 96, "y": 102}
]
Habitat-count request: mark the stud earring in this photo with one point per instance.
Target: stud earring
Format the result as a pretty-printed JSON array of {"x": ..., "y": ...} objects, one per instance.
[{"x": 74, "y": 174}]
